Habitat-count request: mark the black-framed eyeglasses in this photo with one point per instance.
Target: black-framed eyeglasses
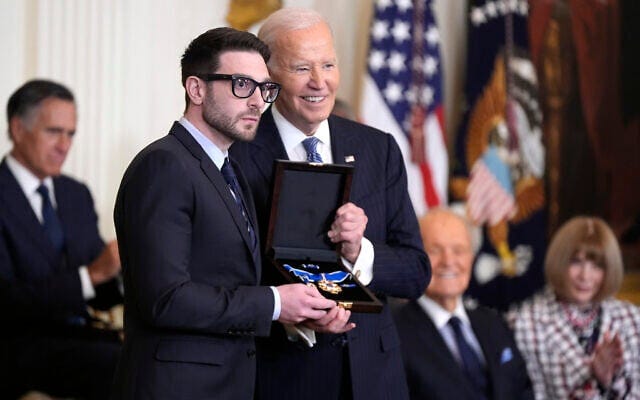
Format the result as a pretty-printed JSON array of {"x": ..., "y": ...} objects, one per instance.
[{"x": 243, "y": 87}]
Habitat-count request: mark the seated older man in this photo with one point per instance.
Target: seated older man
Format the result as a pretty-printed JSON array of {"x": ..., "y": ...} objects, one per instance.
[{"x": 450, "y": 351}]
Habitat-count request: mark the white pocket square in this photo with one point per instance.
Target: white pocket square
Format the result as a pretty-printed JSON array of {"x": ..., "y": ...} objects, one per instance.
[{"x": 506, "y": 355}]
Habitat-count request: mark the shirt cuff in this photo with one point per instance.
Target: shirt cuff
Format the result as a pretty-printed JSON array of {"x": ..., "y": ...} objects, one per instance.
[
  {"x": 88, "y": 291},
  {"x": 277, "y": 307},
  {"x": 363, "y": 267},
  {"x": 297, "y": 332}
]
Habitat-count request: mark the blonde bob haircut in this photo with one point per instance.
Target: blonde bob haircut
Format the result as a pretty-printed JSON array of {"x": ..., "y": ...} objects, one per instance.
[{"x": 591, "y": 238}]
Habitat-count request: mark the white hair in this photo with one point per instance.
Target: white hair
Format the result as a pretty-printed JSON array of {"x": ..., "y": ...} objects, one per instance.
[{"x": 286, "y": 20}]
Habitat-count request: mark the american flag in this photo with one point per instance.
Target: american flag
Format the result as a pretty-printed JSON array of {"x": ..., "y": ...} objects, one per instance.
[
  {"x": 490, "y": 191},
  {"x": 403, "y": 94},
  {"x": 499, "y": 155}
]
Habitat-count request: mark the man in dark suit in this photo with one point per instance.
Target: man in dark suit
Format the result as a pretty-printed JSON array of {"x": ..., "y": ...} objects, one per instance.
[
  {"x": 377, "y": 231},
  {"x": 186, "y": 227},
  {"x": 53, "y": 262},
  {"x": 453, "y": 352}
]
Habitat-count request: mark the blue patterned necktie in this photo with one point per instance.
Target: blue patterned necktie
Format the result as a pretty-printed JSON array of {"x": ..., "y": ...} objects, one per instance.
[
  {"x": 470, "y": 361},
  {"x": 50, "y": 221},
  {"x": 234, "y": 186},
  {"x": 310, "y": 145}
]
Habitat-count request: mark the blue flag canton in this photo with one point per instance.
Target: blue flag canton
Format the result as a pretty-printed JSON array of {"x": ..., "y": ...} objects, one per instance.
[
  {"x": 487, "y": 33},
  {"x": 405, "y": 64}
]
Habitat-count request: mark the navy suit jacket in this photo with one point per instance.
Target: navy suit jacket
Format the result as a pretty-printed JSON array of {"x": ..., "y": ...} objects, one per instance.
[
  {"x": 192, "y": 305},
  {"x": 400, "y": 269},
  {"x": 39, "y": 289},
  {"x": 433, "y": 372}
]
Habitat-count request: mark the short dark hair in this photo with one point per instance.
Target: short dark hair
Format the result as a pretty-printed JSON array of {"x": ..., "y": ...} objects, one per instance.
[
  {"x": 202, "y": 56},
  {"x": 29, "y": 96}
]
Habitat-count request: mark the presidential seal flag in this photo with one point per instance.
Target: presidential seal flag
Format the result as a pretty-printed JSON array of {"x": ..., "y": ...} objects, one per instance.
[
  {"x": 499, "y": 156},
  {"x": 402, "y": 94}
]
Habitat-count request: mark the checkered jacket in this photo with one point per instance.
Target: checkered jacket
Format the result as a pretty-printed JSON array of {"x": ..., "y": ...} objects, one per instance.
[{"x": 558, "y": 365}]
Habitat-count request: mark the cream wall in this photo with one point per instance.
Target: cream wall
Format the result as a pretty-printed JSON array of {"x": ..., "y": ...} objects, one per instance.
[{"x": 121, "y": 59}]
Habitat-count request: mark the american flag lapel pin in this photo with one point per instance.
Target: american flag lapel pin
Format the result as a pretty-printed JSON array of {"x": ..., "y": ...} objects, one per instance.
[{"x": 349, "y": 159}]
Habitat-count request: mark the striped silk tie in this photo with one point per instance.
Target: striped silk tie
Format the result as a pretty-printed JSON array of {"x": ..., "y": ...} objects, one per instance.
[
  {"x": 310, "y": 145},
  {"x": 234, "y": 186},
  {"x": 470, "y": 361}
]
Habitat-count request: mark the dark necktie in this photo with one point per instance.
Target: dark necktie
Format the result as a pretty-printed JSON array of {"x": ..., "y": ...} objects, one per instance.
[
  {"x": 470, "y": 361},
  {"x": 310, "y": 145},
  {"x": 50, "y": 221},
  {"x": 232, "y": 181}
]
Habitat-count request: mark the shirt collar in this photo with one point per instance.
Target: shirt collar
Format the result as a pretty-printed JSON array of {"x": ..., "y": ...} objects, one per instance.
[
  {"x": 27, "y": 180},
  {"x": 292, "y": 136},
  {"x": 439, "y": 315},
  {"x": 215, "y": 154}
]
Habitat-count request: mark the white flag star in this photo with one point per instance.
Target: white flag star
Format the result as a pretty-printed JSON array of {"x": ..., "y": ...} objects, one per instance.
[
  {"x": 404, "y": 5},
  {"x": 524, "y": 8},
  {"x": 427, "y": 95},
  {"x": 490, "y": 9},
  {"x": 380, "y": 30},
  {"x": 432, "y": 36},
  {"x": 477, "y": 16},
  {"x": 410, "y": 95},
  {"x": 400, "y": 31},
  {"x": 396, "y": 62},
  {"x": 430, "y": 66},
  {"x": 393, "y": 92},
  {"x": 502, "y": 6},
  {"x": 376, "y": 60},
  {"x": 382, "y": 4}
]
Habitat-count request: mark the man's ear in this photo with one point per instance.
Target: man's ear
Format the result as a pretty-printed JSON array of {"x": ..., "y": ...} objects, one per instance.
[
  {"x": 195, "y": 89},
  {"x": 17, "y": 130}
]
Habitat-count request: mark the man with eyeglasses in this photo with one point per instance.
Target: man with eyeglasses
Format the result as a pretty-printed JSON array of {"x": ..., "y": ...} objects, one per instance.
[{"x": 187, "y": 228}]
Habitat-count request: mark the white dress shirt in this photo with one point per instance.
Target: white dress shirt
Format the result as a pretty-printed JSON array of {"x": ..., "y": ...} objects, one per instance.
[{"x": 441, "y": 317}]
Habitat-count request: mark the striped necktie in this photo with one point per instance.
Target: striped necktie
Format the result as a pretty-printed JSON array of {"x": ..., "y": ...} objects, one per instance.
[
  {"x": 310, "y": 145},
  {"x": 234, "y": 186},
  {"x": 470, "y": 361}
]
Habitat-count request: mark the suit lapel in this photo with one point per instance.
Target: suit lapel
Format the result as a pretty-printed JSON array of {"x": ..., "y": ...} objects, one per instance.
[
  {"x": 214, "y": 175},
  {"x": 342, "y": 144},
  {"x": 437, "y": 349},
  {"x": 18, "y": 207},
  {"x": 267, "y": 146},
  {"x": 65, "y": 208},
  {"x": 484, "y": 335}
]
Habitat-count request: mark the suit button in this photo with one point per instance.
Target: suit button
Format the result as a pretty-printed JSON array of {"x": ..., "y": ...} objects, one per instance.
[{"x": 251, "y": 353}]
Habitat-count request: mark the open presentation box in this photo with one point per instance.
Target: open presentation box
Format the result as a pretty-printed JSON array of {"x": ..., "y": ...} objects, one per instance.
[{"x": 304, "y": 201}]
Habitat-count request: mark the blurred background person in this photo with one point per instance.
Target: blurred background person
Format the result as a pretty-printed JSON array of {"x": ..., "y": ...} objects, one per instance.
[
  {"x": 451, "y": 351},
  {"x": 577, "y": 340},
  {"x": 53, "y": 262}
]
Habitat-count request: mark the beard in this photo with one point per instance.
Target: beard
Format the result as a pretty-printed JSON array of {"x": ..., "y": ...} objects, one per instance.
[{"x": 230, "y": 126}]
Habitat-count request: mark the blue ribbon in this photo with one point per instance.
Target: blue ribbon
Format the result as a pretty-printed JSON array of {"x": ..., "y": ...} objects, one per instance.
[{"x": 306, "y": 277}]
